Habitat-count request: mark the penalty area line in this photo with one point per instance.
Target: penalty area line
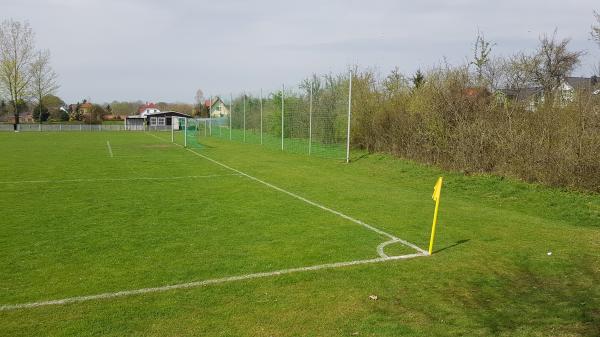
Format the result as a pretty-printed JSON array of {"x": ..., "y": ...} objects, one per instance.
[{"x": 126, "y": 293}]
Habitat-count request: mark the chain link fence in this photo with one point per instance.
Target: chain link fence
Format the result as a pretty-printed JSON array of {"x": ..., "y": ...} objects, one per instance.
[{"x": 312, "y": 118}]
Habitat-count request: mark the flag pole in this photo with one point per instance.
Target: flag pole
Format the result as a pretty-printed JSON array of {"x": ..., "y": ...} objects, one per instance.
[{"x": 436, "y": 197}]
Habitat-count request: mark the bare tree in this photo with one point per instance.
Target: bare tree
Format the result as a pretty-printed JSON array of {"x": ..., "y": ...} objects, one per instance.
[
  {"x": 199, "y": 100},
  {"x": 43, "y": 78},
  {"x": 518, "y": 71},
  {"x": 596, "y": 29},
  {"x": 493, "y": 72},
  {"x": 481, "y": 56},
  {"x": 199, "y": 97},
  {"x": 552, "y": 63},
  {"x": 16, "y": 54}
]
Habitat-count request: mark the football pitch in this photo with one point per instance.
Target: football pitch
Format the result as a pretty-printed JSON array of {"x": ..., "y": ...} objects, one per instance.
[{"x": 117, "y": 233}]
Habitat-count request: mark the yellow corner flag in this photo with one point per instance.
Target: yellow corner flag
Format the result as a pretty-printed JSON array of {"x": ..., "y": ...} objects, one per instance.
[{"x": 437, "y": 189}]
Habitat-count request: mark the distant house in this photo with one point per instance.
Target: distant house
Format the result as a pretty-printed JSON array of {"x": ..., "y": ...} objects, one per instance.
[
  {"x": 476, "y": 92},
  {"x": 148, "y": 108},
  {"x": 85, "y": 108},
  {"x": 24, "y": 117},
  {"x": 531, "y": 96},
  {"x": 217, "y": 108},
  {"x": 573, "y": 85}
]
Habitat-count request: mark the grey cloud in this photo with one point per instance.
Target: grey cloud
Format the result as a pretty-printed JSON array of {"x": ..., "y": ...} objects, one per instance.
[{"x": 165, "y": 50}]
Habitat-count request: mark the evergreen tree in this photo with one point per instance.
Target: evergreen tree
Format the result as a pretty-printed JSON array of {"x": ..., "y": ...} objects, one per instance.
[{"x": 418, "y": 79}]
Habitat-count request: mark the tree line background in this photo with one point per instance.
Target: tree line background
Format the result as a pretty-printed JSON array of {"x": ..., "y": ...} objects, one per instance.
[
  {"x": 448, "y": 115},
  {"x": 452, "y": 116}
]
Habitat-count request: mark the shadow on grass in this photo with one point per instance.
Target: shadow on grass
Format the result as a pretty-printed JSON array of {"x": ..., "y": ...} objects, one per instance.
[
  {"x": 459, "y": 242},
  {"x": 357, "y": 158}
]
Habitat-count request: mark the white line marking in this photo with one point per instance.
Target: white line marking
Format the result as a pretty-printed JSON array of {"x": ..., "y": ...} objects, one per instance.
[
  {"x": 347, "y": 217},
  {"x": 381, "y": 247},
  {"x": 196, "y": 284},
  {"x": 109, "y": 148},
  {"x": 117, "y": 179},
  {"x": 383, "y": 258}
]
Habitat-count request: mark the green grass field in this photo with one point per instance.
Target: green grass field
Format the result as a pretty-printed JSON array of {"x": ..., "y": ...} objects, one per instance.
[{"x": 103, "y": 212}]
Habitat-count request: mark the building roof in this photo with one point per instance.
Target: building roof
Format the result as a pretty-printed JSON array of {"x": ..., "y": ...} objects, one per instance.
[
  {"x": 521, "y": 93},
  {"x": 475, "y": 92},
  {"x": 168, "y": 114},
  {"x": 215, "y": 100},
  {"x": 160, "y": 114},
  {"x": 150, "y": 105},
  {"x": 582, "y": 83}
]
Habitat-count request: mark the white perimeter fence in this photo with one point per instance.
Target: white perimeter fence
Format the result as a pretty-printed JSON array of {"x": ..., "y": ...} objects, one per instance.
[{"x": 26, "y": 127}]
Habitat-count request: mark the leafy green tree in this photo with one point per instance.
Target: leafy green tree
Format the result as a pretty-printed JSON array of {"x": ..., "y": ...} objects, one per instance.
[
  {"x": 16, "y": 56},
  {"x": 418, "y": 79},
  {"x": 54, "y": 105},
  {"x": 43, "y": 80},
  {"x": 40, "y": 113},
  {"x": 96, "y": 114},
  {"x": 63, "y": 115}
]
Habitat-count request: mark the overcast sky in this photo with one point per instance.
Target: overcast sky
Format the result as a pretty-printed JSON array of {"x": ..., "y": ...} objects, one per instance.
[{"x": 155, "y": 50}]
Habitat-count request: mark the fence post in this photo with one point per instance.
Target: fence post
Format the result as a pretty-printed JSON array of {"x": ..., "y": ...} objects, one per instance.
[
  {"x": 230, "y": 113},
  {"x": 261, "y": 117},
  {"x": 210, "y": 117},
  {"x": 310, "y": 108},
  {"x": 282, "y": 111},
  {"x": 185, "y": 133},
  {"x": 349, "y": 117},
  {"x": 173, "y": 132},
  {"x": 244, "y": 117}
]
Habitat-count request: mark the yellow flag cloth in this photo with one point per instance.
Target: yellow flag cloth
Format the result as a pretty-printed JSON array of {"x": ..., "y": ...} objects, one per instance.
[{"x": 437, "y": 189}]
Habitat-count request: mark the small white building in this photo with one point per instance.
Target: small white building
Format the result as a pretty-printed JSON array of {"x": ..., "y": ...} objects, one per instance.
[{"x": 159, "y": 121}]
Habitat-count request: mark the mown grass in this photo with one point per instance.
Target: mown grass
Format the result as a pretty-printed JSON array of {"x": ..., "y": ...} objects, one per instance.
[
  {"x": 491, "y": 274},
  {"x": 298, "y": 145}
]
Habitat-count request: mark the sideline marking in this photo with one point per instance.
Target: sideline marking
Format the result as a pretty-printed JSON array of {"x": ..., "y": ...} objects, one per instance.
[
  {"x": 116, "y": 179},
  {"x": 109, "y": 149},
  {"x": 340, "y": 214},
  {"x": 125, "y": 293}
]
